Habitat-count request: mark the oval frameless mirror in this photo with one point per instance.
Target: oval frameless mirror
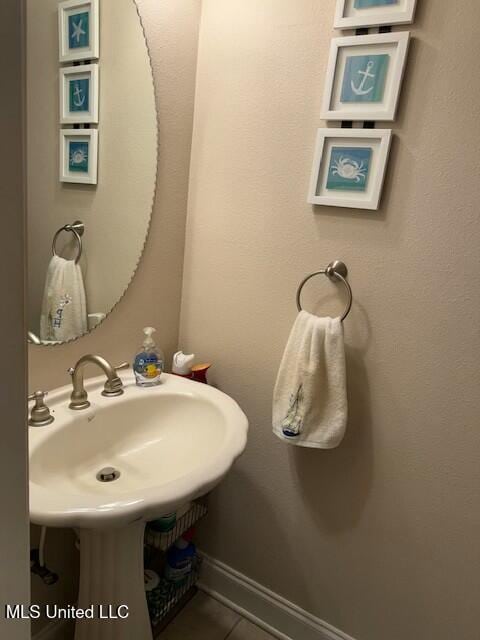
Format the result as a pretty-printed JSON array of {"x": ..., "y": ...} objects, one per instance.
[{"x": 91, "y": 161}]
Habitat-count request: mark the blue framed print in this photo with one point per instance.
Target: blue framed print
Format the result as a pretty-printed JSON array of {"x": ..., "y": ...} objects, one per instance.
[
  {"x": 368, "y": 4},
  {"x": 79, "y": 94},
  {"x": 354, "y": 14},
  {"x": 79, "y": 31},
  {"x": 364, "y": 78},
  {"x": 79, "y": 156},
  {"x": 349, "y": 168}
]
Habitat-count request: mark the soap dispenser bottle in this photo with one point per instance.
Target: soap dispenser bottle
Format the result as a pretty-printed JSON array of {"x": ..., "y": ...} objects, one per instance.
[{"x": 149, "y": 362}]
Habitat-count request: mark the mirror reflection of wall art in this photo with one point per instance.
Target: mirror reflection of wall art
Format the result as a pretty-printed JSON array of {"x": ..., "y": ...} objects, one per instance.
[
  {"x": 351, "y": 14},
  {"x": 78, "y": 155},
  {"x": 364, "y": 77},
  {"x": 79, "y": 30},
  {"x": 349, "y": 167},
  {"x": 79, "y": 91}
]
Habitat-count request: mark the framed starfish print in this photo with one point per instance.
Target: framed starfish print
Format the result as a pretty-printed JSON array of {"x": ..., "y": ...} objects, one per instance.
[{"x": 79, "y": 30}]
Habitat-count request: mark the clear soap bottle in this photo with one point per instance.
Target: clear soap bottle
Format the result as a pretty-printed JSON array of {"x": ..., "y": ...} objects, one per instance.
[{"x": 149, "y": 362}]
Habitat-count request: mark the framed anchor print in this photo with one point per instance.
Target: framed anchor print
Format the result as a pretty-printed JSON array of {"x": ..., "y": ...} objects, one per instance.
[
  {"x": 364, "y": 77},
  {"x": 352, "y": 14},
  {"x": 79, "y": 30},
  {"x": 349, "y": 167},
  {"x": 78, "y": 156},
  {"x": 79, "y": 94}
]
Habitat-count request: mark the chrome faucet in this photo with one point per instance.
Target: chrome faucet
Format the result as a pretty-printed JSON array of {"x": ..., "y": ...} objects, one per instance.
[{"x": 113, "y": 386}]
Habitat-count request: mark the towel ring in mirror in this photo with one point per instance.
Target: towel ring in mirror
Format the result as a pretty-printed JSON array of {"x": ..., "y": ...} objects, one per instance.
[
  {"x": 78, "y": 229},
  {"x": 336, "y": 270}
]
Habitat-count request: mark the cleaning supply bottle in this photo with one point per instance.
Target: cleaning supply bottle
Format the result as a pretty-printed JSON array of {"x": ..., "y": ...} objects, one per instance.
[
  {"x": 149, "y": 362},
  {"x": 181, "y": 559}
]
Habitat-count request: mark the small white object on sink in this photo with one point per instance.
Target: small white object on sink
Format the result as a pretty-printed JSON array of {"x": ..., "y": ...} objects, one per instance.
[{"x": 182, "y": 363}]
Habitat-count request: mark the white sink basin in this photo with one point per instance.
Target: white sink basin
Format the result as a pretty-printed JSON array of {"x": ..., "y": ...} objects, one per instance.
[{"x": 170, "y": 443}]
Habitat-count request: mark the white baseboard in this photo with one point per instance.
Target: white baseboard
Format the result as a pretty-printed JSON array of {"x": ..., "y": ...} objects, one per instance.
[
  {"x": 279, "y": 617},
  {"x": 56, "y": 630}
]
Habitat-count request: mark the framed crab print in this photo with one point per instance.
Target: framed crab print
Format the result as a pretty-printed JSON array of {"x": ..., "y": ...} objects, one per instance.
[
  {"x": 364, "y": 77},
  {"x": 79, "y": 99},
  {"x": 354, "y": 14},
  {"x": 349, "y": 167},
  {"x": 78, "y": 156},
  {"x": 79, "y": 30}
]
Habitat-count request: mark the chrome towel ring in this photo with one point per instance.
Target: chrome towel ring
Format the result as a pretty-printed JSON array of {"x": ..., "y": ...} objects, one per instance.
[
  {"x": 78, "y": 229},
  {"x": 335, "y": 271}
]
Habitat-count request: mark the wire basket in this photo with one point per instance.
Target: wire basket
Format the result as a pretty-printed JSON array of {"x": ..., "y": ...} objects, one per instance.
[
  {"x": 162, "y": 600},
  {"x": 163, "y": 541}
]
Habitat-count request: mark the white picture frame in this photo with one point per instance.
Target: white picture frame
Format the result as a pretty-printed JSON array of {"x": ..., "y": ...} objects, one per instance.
[
  {"x": 79, "y": 30},
  {"x": 364, "y": 77},
  {"x": 79, "y": 156},
  {"x": 348, "y": 16},
  {"x": 79, "y": 94},
  {"x": 349, "y": 167}
]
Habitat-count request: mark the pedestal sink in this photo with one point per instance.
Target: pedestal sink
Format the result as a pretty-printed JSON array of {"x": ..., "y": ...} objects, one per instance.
[{"x": 111, "y": 468}]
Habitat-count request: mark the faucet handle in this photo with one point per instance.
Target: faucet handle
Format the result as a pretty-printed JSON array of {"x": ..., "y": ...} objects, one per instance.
[
  {"x": 38, "y": 395},
  {"x": 40, "y": 415},
  {"x": 114, "y": 387}
]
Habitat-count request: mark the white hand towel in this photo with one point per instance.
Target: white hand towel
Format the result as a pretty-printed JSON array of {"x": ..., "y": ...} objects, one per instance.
[
  {"x": 310, "y": 397},
  {"x": 64, "y": 308}
]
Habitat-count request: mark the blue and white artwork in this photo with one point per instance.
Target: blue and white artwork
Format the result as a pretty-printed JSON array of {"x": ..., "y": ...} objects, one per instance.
[
  {"x": 367, "y": 4},
  {"x": 79, "y": 30},
  {"x": 78, "y": 156},
  {"x": 349, "y": 168},
  {"x": 79, "y": 95},
  {"x": 365, "y": 78}
]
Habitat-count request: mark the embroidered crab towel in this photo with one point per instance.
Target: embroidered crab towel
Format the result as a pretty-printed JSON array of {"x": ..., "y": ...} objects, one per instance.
[{"x": 310, "y": 397}]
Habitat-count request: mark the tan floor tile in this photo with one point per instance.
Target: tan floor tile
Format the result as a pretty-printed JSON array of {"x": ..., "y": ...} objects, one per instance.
[
  {"x": 202, "y": 619},
  {"x": 247, "y": 631}
]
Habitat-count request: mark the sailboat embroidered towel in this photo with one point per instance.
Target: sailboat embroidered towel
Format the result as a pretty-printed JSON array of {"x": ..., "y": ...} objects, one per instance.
[
  {"x": 64, "y": 308},
  {"x": 310, "y": 397}
]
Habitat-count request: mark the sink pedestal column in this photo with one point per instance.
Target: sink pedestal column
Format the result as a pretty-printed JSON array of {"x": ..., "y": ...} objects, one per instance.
[{"x": 111, "y": 577}]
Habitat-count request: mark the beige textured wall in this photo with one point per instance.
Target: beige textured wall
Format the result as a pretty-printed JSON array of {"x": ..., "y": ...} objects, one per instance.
[
  {"x": 116, "y": 212},
  {"x": 154, "y": 297},
  {"x": 381, "y": 536},
  {"x": 14, "y": 557}
]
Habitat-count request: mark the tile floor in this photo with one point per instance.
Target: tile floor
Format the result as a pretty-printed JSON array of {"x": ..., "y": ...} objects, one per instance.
[{"x": 206, "y": 619}]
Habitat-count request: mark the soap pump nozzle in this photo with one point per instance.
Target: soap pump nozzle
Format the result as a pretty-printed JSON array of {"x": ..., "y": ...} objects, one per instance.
[{"x": 149, "y": 342}]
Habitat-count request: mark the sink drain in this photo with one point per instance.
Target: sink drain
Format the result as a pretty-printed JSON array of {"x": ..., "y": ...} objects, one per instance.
[{"x": 109, "y": 474}]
